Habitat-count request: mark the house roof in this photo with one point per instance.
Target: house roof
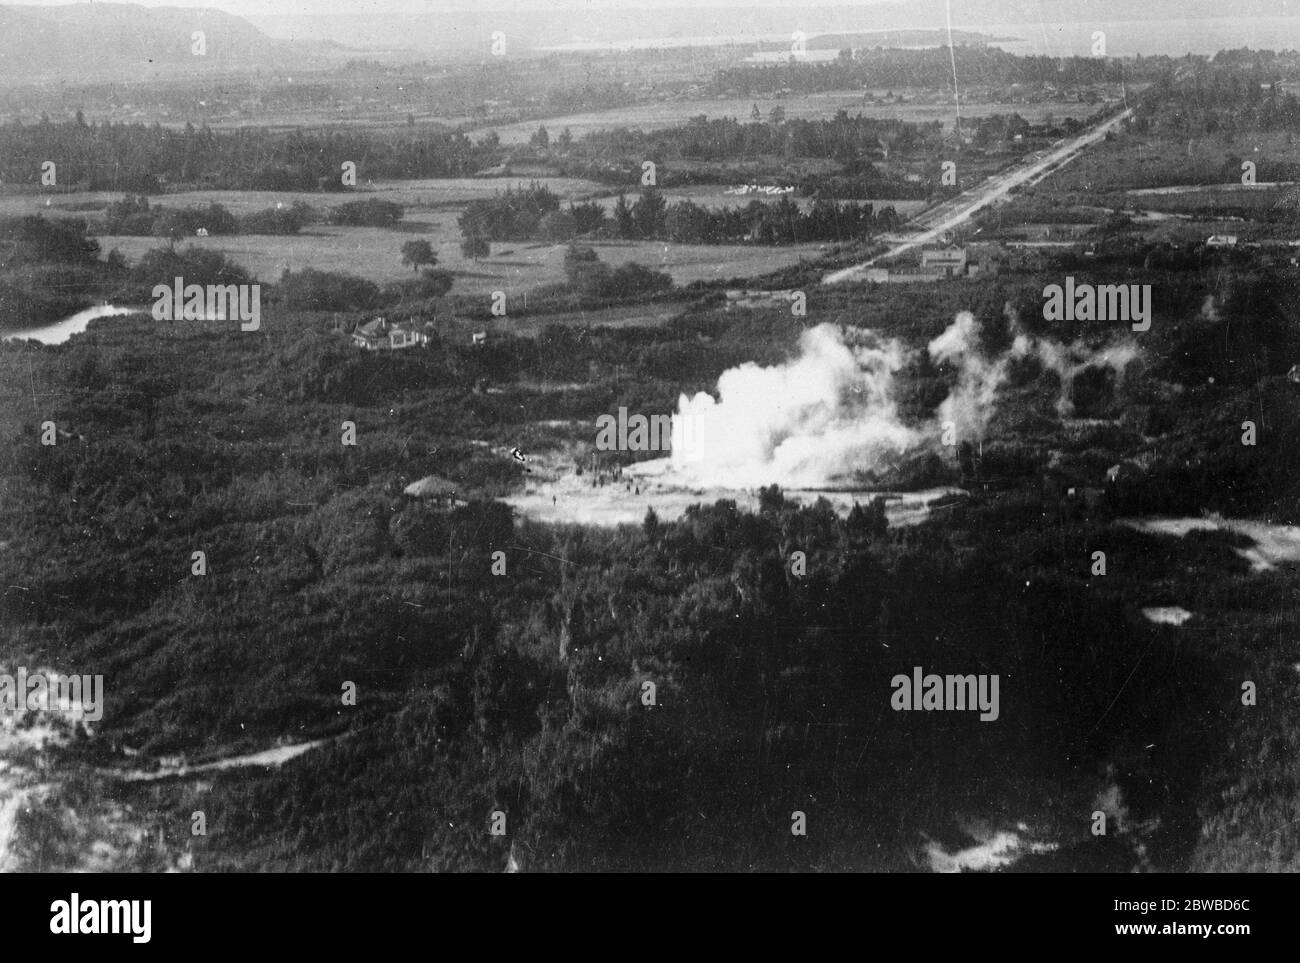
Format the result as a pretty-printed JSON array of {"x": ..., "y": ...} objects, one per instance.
[
  {"x": 380, "y": 328},
  {"x": 431, "y": 486}
]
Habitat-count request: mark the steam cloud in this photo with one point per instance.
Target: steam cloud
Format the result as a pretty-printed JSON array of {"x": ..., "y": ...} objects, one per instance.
[
  {"x": 815, "y": 419},
  {"x": 970, "y": 404},
  {"x": 831, "y": 412},
  {"x": 973, "y": 401}
]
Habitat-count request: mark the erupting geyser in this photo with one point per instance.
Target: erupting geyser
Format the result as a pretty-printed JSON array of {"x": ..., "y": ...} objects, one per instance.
[
  {"x": 829, "y": 416},
  {"x": 810, "y": 422}
]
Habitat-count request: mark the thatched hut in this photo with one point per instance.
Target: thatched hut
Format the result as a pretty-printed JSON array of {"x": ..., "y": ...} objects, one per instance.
[{"x": 435, "y": 488}]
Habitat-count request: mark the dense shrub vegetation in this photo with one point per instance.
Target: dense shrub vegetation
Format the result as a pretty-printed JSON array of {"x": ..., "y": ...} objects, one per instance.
[{"x": 526, "y": 692}]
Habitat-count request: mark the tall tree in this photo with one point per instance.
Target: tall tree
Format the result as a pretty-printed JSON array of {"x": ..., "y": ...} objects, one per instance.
[
  {"x": 417, "y": 253},
  {"x": 623, "y": 221},
  {"x": 650, "y": 213}
]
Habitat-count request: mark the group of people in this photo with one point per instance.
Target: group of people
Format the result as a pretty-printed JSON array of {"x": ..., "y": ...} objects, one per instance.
[{"x": 602, "y": 475}]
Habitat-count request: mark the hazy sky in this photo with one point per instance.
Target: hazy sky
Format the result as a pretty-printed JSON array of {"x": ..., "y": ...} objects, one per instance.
[
  {"x": 1076, "y": 8},
  {"x": 275, "y": 7}
]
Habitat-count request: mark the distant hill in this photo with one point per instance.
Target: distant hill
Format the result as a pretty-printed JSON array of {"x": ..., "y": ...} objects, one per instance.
[{"x": 127, "y": 41}]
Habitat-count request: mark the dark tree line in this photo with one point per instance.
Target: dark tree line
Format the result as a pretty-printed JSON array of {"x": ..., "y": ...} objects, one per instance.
[
  {"x": 133, "y": 215},
  {"x": 534, "y": 213},
  {"x": 842, "y": 137},
  {"x": 142, "y": 159}
]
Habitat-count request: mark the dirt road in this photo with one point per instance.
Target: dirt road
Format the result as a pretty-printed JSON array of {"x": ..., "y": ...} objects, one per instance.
[{"x": 942, "y": 218}]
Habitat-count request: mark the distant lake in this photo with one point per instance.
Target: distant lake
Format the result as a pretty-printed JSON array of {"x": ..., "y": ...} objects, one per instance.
[
  {"x": 61, "y": 331},
  {"x": 1127, "y": 38},
  {"x": 1124, "y": 38}
]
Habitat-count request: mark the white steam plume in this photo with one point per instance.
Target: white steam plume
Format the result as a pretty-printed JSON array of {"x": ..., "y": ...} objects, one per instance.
[
  {"x": 970, "y": 404},
  {"x": 809, "y": 422},
  {"x": 830, "y": 413},
  {"x": 973, "y": 400}
]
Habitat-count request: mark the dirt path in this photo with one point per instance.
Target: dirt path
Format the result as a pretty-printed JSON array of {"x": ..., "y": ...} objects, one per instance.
[{"x": 268, "y": 758}]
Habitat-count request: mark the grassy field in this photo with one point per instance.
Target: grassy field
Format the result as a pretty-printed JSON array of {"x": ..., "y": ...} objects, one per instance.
[
  {"x": 650, "y": 116},
  {"x": 652, "y": 315},
  {"x": 514, "y": 268},
  {"x": 432, "y": 209},
  {"x": 819, "y": 106}
]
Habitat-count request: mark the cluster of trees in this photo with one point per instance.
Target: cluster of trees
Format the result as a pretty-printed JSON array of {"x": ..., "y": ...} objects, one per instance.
[
  {"x": 864, "y": 181},
  {"x": 780, "y": 222},
  {"x": 592, "y": 277},
  {"x": 726, "y": 151},
  {"x": 311, "y": 290},
  {"x": 843, "y": 138},
  {"x": 142, "y": 159},
  {"x": 369, "y": 212},
  {"x": 197, "y": 265},
  {"x": 48, "y": 269},
  {"x": 999, "y": 128},
  {"x": 534, "y": 213},
  {"x": 308, "y": 289},
  {"x": 515, "y": 214},
  {"x": 1221, "y": 101},
  {"x": 35, "y": 240},
  {"x": 133, "y": 215}
]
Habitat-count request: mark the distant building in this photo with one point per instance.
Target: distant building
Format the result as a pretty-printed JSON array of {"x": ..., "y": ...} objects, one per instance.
[
  {"x": 937, "y": 264},
  {"x": 950, "y": 261},
  {"x": 737, "y": 298},
  {"x": 379, "y": 335},
  {"x": 909, "y": 275}
]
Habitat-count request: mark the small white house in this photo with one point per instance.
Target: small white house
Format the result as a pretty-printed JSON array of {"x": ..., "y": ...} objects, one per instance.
[{"x": 379, "y": 335}]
